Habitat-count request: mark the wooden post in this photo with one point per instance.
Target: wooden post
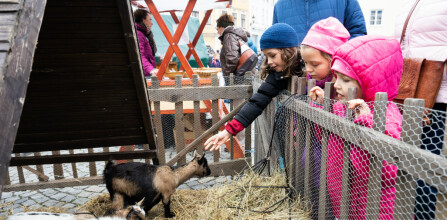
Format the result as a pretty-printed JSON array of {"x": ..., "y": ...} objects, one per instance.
[
  {"x": 57, "y": 168},
  {"x": 39, "y": 168},
  {"x": 309, "y": 151},
  {"x": 179, "y": 126},
  {"x": 231, "y": 109},
  {"x": 197, "y": 122},
  {"x": 300, "y": 139},
  {"x": 20, "y": 172},
  {"x": 73, "y": 166},
  {"x": 345, "y": 191},
  {"x": 215, "y": 113},
  {"x": 290, "y": 149},
  {"x": 406, "y": 183},
  {"x": 375, "y": 164},
  {"x": 323, "y": 196},
  {"x": 92, "y": 165},
  {"x": 248, "y": 129},
  {"x": 158, "y": 123}
]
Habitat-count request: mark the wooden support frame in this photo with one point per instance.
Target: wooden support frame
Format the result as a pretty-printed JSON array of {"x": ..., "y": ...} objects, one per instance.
[
  {"x": 192, "y": 45},
  {"x": 173, "y": 40}
]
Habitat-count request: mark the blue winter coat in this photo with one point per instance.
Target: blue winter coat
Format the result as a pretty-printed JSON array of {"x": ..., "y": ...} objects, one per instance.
[
  {"x": 252, "y": 45},
  {"x": 302, "y": 14}
]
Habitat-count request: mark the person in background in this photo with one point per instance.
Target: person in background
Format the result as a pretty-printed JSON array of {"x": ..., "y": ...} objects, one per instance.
[
  {"x": 148, "y": 48},
  {"x": 215, "y": 62},
  {"x": 426, "y": 37},
  {"x": 250, "y": 43},
  {"x": 302, "y": 14},
  {"x": 279, "y": 43},
  {"x": 261, "y": 58},
  {"x": 230, "y": 51}
]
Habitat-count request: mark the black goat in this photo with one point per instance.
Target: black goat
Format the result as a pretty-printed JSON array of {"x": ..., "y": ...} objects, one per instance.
[{"x": 130, "y": 182}]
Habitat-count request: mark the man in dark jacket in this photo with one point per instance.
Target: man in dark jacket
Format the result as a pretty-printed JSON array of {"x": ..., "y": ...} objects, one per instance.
[
  {"x": 302, "y": 14},
  {"x": 229, "y": 36}
]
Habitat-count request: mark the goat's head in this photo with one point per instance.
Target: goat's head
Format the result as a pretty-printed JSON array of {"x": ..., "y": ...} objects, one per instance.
[
  {"x": 133, "y": 212},
  {"x": 202, "y": 169}
]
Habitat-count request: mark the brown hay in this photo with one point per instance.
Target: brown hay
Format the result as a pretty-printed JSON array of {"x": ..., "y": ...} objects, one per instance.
[{"x": 213, "y": 203}]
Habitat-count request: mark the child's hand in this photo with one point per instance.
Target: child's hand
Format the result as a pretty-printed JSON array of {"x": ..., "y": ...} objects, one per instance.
[
  {"x": 217, "y": 140},
  {"x": 359, "y": 106},
  {"x": 317, "y": 94}
]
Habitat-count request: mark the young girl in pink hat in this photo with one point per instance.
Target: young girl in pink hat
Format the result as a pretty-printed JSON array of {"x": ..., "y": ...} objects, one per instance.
[
  {"x": 371, "y": 64},
  {"x": 317, "y": 48}
]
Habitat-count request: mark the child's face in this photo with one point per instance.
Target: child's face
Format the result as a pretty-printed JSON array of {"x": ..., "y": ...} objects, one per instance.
[
  {"x": 274, "y": 59},
  {"x": 317, "y": 65},
  {"x": 342, "y": 85}
]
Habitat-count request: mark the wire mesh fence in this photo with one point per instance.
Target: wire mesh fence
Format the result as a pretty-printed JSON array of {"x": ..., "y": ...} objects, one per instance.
[{"x": 386, "y": 163}]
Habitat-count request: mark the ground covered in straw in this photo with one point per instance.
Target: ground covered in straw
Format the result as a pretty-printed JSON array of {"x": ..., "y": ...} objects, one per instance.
[
  {"x": 242, "y": 194},
  {"x": 214, "y": 203}
]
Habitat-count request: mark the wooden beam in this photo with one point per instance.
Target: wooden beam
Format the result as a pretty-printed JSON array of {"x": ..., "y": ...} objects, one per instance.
[
  {"x": 55, "y": 184},
  {"x": 15, "y": 77},
  {"x": 71, "y": 158},
  {"x": 40, "y": 175},
  {"x": 126, "y": 14},
  {"x": 173, "y": 40},
  {"x": 230, "y": 167},
  {"x": 197, "y": 37}
]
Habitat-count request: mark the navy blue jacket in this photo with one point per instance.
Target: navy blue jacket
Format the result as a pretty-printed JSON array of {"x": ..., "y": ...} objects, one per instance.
[
  {"x": 302, "y": 14},
  {"x": 273, "y": 84}
]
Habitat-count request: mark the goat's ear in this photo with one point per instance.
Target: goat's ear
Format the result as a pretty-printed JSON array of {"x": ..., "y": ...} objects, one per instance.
[
  {"x": 195, "y": 154},
  {"x": 202, "y": 158}
]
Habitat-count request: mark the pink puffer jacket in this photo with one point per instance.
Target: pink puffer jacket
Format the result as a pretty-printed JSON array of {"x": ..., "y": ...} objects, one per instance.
[{"x": 376, "y": 63}]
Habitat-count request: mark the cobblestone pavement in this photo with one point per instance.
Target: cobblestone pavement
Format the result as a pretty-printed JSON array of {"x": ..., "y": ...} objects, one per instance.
[{"x": 72, "y": 197}]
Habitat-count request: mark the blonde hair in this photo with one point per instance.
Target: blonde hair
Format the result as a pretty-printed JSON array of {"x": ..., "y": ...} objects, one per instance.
[{"x": 292, "y": 59}]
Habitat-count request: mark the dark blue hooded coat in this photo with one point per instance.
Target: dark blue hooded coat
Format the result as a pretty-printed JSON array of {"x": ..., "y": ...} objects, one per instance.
[{"x": 302, "y": 14}]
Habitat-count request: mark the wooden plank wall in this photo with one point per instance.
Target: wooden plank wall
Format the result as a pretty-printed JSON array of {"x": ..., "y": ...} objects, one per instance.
[{"x": 82, "y": 91}]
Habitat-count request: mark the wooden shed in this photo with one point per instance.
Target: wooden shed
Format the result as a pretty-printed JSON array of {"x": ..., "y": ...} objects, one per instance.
[{"x": 70, "y": 77}]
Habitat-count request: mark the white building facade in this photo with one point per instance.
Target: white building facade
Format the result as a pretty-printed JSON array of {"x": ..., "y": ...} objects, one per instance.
[
  {"x": 261, "y": 18},
  {"x": 380, "y": 15}
]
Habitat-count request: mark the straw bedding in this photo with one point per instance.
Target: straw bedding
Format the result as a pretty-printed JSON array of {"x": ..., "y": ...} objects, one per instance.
[{"x": 214, "y": 202}]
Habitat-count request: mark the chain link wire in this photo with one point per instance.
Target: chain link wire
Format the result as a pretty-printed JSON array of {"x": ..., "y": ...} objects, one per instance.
[{"x": 348, "y": 165}]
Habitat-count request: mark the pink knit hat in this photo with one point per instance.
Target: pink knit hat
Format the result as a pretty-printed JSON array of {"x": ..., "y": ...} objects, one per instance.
[{"x": 326, "y": 35}]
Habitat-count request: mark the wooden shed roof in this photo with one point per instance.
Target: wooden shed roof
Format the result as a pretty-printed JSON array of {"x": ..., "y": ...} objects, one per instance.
[{"x": 70, "y": 77}]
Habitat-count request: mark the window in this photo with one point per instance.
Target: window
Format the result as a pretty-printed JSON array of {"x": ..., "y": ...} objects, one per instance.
[
  {"x": 195, "y": 14},
  {"x": 376, "y": 17},
  {"x": 243, "y": 21},
  {"x": 235, "y": 18}
]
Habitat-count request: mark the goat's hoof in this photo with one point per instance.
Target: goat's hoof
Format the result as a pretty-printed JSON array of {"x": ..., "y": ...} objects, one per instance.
[{"x": 170, "y": 215}]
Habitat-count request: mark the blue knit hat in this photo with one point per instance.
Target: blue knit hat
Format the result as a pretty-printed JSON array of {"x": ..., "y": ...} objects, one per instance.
[{"x": 279, "y": 35}]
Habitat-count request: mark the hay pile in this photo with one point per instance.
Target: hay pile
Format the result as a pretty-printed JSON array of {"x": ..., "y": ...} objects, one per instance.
[{"x": 213, "y": 203}]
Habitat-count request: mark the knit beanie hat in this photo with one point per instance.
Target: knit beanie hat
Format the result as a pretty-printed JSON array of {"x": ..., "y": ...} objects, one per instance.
[
  {"x": 279, "y": 35},
  {"x": 326, "y": 35}
]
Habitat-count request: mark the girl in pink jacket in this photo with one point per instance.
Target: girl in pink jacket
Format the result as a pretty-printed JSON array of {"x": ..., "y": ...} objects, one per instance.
[{"x": 371, "y": 64}]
